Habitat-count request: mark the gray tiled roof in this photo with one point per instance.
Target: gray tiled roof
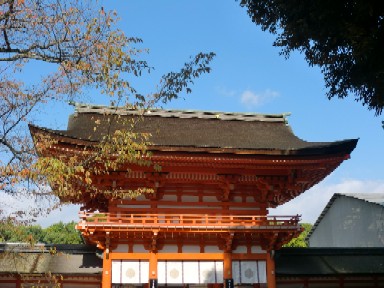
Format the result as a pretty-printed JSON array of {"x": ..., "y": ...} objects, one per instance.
[
  {"x": 200, "y": 130},
  {"x": 329, "y": 261},
  {"x": 376, "y": 198},
  {"x": 67, "y": 259}
]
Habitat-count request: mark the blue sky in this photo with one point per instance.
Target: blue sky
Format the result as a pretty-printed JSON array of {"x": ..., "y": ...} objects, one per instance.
[{"x": 249, "y": 76}]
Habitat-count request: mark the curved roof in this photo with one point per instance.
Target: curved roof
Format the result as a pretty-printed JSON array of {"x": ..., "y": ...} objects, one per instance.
[{"x": 188, "y": 130}]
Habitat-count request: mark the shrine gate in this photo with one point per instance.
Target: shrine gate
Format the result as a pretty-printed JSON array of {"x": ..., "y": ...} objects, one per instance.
[{"x": 206, "y": 224}]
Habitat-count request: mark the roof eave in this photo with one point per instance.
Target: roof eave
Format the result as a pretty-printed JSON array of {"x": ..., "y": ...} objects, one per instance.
[{"x": 343, "y": 148}]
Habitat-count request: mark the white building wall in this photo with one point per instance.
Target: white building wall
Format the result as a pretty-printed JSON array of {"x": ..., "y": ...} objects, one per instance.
[{"x": 350, "y": 222}]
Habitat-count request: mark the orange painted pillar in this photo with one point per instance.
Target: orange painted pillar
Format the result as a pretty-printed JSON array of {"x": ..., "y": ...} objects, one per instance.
[
  {"x": 153, "y": 270},
  {"x": 271, "y": 275},
  {"x": 106, "y": 281},
  {"x": 228, "y": 278}
]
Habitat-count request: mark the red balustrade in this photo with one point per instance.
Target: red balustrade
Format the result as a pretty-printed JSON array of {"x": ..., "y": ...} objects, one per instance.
[{"x": 119, "y": 221}]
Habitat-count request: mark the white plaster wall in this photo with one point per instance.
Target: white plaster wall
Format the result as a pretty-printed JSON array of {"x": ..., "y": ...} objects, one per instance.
[
  {"x": 350, "y": 222},
  {"x": 191, "y": 249},
  {"x": 190, "y": 198},
  {"x": 240, "y": 249},
  {"x": 169, "y": 249},
  {"x": 212, "y": 249},
  {"x": 138, "y": 248},
  {"x": 121, "y": 248},
  {"x": 257, "y": 249}
]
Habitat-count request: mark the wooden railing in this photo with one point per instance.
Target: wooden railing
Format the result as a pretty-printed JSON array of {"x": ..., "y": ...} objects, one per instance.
[{"x": 186, "y": 221}]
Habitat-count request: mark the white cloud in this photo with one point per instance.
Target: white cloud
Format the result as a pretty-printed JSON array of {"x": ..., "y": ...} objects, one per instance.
[
  {"x": 41, "y": 210},
  {"x": 224, "y": 91},
  {"x": 65, "y": 214},
  {"x": 249, "y": 98},
  {"x": 253, "y": 99},
  {"x": 312, "y": 202}
]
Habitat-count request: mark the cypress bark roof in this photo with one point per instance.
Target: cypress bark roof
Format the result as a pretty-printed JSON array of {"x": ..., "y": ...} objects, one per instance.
[{"x": 202, "y": 130}]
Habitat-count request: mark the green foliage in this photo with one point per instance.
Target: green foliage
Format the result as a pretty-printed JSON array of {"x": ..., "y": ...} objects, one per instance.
[
  {"x": 62, "y": 233},
  {"x": 300, "y": 241},
  {"x": 10, "y": 232},
  {"x": 59, "y": 233},
  {"x": 344, "y": 38}
]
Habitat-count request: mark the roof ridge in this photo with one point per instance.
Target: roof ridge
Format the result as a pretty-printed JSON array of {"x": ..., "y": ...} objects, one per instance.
[
  {"x": 176, "y": 113},
  {"x": 370, "y": 197}
]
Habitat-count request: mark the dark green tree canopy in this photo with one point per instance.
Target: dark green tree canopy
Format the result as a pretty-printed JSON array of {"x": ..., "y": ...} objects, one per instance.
[
  {"x": 345, "y": 38},
  {"x": 58, "y": 233},
  {"x": 300, "y": 240}
]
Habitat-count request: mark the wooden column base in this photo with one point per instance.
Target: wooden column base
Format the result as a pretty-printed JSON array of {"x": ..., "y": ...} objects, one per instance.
[
  {"x": 153, "y": 283},
  {"x": 228, "y": 283}
]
